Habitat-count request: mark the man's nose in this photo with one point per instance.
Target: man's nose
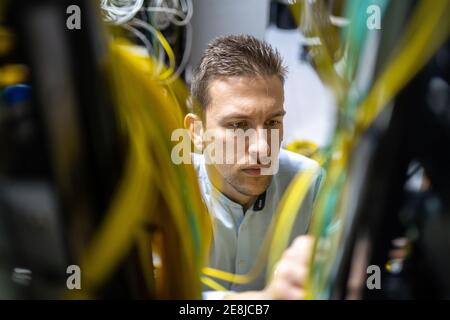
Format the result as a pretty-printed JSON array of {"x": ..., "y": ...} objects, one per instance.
[{"x": 259, "y": 146}]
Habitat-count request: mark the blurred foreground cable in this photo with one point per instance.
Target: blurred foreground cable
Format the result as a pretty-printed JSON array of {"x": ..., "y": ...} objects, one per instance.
[
  {"x": 427, "y": 30},
  {"x": 156, "y": 200},
  {"x": 425, "y": 33}
]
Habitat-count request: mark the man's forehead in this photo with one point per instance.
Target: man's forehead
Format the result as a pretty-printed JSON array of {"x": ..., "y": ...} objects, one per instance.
[
  {"x": 243, "y": 84},
  {"x": 246, "y": 108},
  {"x": 241, "y": 96}
]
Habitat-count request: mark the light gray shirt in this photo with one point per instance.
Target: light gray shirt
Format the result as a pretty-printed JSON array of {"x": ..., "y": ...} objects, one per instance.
[{"x": 237, "y": 235}]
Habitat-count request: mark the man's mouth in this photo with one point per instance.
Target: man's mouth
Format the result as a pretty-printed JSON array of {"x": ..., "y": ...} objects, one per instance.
[{"x": 254, "y": 171}]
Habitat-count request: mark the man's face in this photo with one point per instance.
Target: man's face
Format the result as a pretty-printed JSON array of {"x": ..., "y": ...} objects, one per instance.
[{"x": 251, "y": 104}]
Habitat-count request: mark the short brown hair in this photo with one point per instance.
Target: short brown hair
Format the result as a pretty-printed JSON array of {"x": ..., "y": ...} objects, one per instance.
[{"x": 235, "y": 55}]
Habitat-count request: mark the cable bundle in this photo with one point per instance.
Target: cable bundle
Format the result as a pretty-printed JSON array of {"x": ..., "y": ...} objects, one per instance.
[
  {"x": 120, "y": 11},
  {"x": 157, "y": 207},
  {"x": 161, "y": 14},
  {"x": 359, "y": 103}
]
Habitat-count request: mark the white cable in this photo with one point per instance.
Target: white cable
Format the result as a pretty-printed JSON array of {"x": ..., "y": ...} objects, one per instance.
[
  {"x": 141, "y": 37},
  {"x": 187, "y": 47},
  {"x": 161, "y": 6},
  {"x": 190, "y": 11},
  {"x": 159, "y": 16},
  {"x": 120, "y": 11}
]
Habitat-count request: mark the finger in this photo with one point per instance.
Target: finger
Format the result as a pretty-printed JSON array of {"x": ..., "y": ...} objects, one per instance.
[
  {"x": 293, "y": 273},
  {"x": 281, "y": 290},
  {"x": 291, "y": 293},
  {"x": 301, "y": 249}
]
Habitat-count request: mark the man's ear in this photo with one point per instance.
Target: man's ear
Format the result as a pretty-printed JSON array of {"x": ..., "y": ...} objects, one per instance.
[{"x": 194, "y": 124}]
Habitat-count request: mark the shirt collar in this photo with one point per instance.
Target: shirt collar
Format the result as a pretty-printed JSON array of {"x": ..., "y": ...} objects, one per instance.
[{"x": 260, "y": 202}]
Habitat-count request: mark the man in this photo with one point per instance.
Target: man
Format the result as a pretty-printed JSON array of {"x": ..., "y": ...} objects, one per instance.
[{"x": 239, "y": 86}]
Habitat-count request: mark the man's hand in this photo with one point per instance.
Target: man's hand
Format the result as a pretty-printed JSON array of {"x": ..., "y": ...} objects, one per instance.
[
  {"x": 291, "y": 273},
  {"x": 290, "y": 276}
]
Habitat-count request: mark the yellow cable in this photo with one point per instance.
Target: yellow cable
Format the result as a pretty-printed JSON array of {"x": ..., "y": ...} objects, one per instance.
[
  {"x": 213, "y": 284},
  {"x": 288, "y": 210}
]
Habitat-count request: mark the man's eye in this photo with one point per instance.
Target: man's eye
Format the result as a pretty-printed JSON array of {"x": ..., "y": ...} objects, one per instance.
[
  {"x": 273, "y": 123},
  {"x": 238, "y": 125}
]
